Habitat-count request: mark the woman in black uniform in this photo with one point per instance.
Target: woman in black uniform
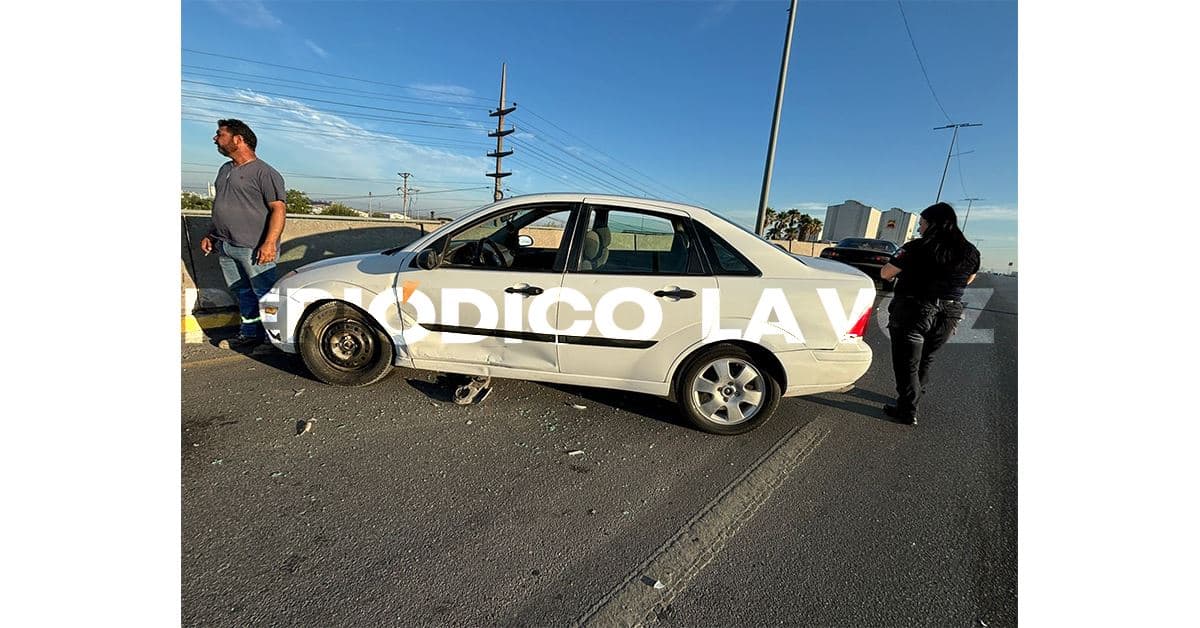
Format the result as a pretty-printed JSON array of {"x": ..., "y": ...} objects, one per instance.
[{"x": 927, "y": 304}]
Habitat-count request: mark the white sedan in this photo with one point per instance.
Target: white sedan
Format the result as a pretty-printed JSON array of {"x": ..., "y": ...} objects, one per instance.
[{"x": 603, "y": 291}]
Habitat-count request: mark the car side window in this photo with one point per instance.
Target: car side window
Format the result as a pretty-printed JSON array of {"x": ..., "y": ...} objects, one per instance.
[
  {"x": 527, "y": 238},
  {"x": 726, "y": 259},
  {"x": 627, "y": 241}
]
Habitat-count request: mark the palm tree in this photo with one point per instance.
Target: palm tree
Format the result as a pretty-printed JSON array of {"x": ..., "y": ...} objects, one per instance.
[
  {"x": 791, "y": 224},
  {"x": 772, "y": 228},
  {"x": 809, "y": 227}
]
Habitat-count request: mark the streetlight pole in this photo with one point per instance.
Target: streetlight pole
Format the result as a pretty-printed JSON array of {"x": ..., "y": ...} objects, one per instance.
[
  {"x": 766, "y": 185},
  {"x": 953, "y": 139}
]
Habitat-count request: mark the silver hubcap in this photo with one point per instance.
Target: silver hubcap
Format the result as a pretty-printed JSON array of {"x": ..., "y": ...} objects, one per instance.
[{"x": 728, "y": 391}]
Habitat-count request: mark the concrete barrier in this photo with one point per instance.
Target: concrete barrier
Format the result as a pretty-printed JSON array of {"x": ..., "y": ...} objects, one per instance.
[{"x": 207, "y": 304}]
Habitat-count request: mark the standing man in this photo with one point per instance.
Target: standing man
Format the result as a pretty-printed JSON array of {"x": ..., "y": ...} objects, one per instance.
[
  {"x": 934, "y": 271},
  {"x": 247, "y": 221}
]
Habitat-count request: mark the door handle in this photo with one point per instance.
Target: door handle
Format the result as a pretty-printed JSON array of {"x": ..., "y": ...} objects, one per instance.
[
  {"x": 677, "y": 293},
  {"x": 526, "y": 290}
]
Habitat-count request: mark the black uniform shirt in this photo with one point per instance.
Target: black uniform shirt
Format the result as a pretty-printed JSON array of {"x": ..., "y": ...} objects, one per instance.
[{"x": 924, "y": 277}]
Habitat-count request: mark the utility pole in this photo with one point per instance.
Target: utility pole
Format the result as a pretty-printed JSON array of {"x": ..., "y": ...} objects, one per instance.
[
  {"x": 766, "y": 186},
  {"x": 412, "y": 202},
  {"x": 969, "y": 202},
  {"x": 954, "y": 139},
  {"x": 499, "y": 134},
  {"x": 403, "y": 189}
]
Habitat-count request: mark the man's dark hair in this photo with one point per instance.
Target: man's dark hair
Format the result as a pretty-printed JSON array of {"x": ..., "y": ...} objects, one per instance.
[{"x": 237, "y": 127}]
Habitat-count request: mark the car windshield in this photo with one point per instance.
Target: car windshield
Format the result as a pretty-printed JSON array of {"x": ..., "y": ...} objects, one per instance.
[{"x": 869, "y": 244}]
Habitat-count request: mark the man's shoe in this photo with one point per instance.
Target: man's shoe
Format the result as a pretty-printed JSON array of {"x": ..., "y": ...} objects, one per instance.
[
  {"x": 894, "y": 413},
  {"x": 241, "y": 343}
]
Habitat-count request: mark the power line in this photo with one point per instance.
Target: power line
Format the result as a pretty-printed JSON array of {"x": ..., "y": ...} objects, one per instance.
[
  {"x": 444, "y": 125},
  {"x": 359, "y": 135},
  {"x": 922, "y": 63},
  {"x": 328, "y": 102},
  {"x": 341, "y": 76},
  {"x": 602, "y": 171},
  {"x": 553, "y": 161},
  {"x": 589, "y": 145},
  {"x": 282, "y": 82},
  {"x": 317, "y": 176},
  {"x": 953, "y": 141}
]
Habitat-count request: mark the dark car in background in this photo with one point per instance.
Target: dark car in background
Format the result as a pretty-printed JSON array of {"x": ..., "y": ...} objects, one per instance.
[{"x": 866, "y": 254}]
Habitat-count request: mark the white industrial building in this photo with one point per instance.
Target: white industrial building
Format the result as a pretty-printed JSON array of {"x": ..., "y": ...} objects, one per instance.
[
  {"x": 897, "y": 225},
  {"x": 851, "y": 219}
]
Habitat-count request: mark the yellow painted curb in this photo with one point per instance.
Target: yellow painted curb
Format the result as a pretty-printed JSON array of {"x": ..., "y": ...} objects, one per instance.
[{"x": 192, "y": 323}]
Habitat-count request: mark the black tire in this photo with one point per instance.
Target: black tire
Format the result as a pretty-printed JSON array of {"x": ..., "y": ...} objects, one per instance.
[
  {"x": 730, "y": 396},
  {"x": 340, "y": 345}
]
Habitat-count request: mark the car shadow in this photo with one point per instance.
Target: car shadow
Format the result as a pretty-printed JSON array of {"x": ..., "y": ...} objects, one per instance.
[
  {"x": 648, "y": 406},
  {"x": 859, "y": 401},
  {"x": 267, "y": 355}
]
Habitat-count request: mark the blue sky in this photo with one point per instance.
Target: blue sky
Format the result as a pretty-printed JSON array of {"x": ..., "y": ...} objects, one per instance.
[{"x": 664, "y": 99}]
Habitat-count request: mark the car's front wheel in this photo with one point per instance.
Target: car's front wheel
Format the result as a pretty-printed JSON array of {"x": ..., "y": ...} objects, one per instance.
[
  {"x": 341, "y": 346},
  {"x": 727, "y": 391}
]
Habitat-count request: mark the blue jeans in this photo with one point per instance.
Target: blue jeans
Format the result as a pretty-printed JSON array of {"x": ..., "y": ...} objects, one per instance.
[{"x": 247, "y": 281}]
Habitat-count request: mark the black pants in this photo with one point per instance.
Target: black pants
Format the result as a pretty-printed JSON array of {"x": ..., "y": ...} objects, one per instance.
[{"x": 919, "y": 327}]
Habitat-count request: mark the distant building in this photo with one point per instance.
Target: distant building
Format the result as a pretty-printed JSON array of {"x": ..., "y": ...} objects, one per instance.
[
  {"x": 897, "y": 225},
  {"x": 851, "y": 219}
]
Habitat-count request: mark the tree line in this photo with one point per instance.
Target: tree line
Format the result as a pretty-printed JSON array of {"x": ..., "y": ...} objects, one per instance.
[{"x": 297, "y": 203}]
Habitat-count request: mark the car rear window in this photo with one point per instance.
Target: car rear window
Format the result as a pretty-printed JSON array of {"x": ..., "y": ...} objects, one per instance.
[{"x": 883, "y": 246}]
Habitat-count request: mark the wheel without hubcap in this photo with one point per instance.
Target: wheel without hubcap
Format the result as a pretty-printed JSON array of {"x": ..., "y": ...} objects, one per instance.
[{"x": 339, "y": 345}]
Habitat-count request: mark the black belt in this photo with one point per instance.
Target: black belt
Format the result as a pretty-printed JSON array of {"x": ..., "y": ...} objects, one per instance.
[{"x": 930, "y": 300}]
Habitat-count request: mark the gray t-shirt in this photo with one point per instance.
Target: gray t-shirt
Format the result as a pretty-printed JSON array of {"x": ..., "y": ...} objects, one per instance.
[{"x": 240, "y": 209}]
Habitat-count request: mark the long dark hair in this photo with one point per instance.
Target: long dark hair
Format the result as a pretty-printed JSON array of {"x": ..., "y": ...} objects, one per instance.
[{"x": 949, "y": 245}]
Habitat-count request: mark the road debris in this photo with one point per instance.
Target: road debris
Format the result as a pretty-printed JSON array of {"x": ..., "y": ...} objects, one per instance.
[
  {"x": 651, "y": 582},
  {"x": 305, "y": 427},
  {"x": 297, "y": 392},
  {"x": 577, "y": 452},
  {"x": 576, "y": 406}
]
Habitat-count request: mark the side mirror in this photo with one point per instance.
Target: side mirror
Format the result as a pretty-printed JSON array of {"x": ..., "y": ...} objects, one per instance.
[
  {"x": 429, "y": 259},
  {"x": 524, "y": 240}
]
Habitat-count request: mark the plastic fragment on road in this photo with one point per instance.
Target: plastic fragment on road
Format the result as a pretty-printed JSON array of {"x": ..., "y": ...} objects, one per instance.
[
  {"x": 297, "y": 392},
  {"x": 577, "y": 406},
  {"x": 305, "y": 427},
  {"x": 577, "y": 452},
  {"x": 651, "y": 582}
]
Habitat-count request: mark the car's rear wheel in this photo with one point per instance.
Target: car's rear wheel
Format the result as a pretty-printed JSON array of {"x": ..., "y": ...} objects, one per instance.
[
  {"x": 725, "y": 390},
  {"x": 341, "y": 346}
]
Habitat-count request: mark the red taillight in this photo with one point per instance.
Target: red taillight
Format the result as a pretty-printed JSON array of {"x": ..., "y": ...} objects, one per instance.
[
  {"x": 860, "y": 328},
  {"x": 883, "y": 258}
]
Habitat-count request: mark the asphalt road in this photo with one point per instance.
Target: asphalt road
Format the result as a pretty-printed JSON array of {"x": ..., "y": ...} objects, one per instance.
[{"x": 401, "y": 508}]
